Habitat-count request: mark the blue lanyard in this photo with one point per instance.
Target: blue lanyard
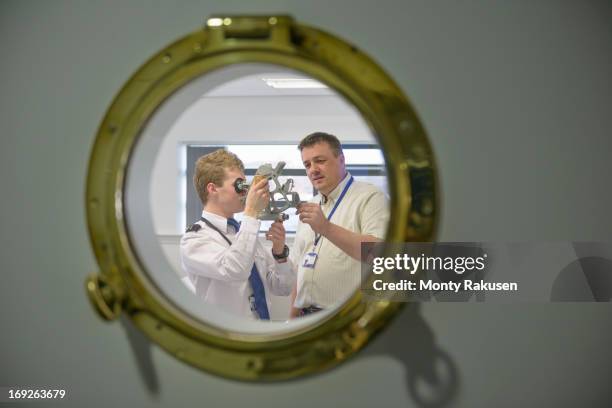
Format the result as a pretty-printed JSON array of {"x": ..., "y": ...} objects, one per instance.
[{"x": 318, "y": 236}]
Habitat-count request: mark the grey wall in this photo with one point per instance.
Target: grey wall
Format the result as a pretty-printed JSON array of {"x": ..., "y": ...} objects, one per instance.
[{"x": 516, "y": 97}]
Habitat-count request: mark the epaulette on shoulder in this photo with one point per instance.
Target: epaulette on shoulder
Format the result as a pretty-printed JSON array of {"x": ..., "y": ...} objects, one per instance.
[{"x": 194, "y": 228}]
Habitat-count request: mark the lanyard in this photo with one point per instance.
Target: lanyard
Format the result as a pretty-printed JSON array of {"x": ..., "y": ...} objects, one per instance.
[
  {"x": 318, "y": 236},
  {"x": 216, "y": 229}
]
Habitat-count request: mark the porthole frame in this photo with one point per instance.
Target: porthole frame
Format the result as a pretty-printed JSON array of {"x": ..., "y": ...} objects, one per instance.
[{"x": 123, "y": 286}]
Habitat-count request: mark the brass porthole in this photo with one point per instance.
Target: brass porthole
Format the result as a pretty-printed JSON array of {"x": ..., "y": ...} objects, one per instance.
[{"x": 123, "y": 285}]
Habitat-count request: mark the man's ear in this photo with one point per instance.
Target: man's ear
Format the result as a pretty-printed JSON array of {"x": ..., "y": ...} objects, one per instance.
[
  {"x": 211, "y": 188},
  {"x": 342, "y": 159}
]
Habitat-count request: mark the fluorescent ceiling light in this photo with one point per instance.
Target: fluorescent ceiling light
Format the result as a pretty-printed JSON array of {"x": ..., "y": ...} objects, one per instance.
[{"x": 293, "y": 83}]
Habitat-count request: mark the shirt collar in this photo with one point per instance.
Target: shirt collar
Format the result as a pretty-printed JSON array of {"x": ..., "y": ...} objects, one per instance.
[
  {"x": 217, "y": 220},
  {"x": 333, "y": 196}
]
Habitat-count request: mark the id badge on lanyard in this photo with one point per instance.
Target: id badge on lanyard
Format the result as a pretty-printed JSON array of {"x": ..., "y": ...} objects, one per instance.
[{"x": 310, "y": 259}]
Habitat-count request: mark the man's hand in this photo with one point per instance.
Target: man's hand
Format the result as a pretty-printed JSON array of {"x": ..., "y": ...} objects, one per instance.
[
  {"x": 257, "y": 198},
  {"x": 276, "y": 234},
  {"x": 311, "y": 214}
]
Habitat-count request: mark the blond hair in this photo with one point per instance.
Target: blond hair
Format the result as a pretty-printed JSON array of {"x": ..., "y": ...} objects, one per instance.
[{"x": 211, "y": 167}]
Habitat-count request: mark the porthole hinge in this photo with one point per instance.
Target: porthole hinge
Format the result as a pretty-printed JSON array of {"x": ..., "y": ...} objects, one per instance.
[{"x": 228, "y": 30}]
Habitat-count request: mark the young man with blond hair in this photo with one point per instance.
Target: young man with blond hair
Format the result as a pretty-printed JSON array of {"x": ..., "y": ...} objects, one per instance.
[{"x": 226, "y": 262}]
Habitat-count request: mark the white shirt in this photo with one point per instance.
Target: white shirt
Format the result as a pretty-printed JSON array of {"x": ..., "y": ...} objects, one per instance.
[
  {"x": 336, "y": 275},
  {"x": 220, "y": 272}
]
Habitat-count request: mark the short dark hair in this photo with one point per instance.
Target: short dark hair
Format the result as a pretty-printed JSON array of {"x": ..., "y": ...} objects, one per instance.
[{"x": 321, "y": 137}]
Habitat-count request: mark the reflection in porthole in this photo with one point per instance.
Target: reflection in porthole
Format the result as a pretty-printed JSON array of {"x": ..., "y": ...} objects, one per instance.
[{"x": 259, "y": 113}]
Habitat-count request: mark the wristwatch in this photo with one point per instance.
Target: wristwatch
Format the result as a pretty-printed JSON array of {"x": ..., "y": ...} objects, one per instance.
[{"x": 283, "y": 255}]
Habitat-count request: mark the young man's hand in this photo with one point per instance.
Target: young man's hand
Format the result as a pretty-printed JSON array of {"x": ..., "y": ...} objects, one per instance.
[
  {"x": 257, "y": 198},
  {"x": 276, "y": 234}
]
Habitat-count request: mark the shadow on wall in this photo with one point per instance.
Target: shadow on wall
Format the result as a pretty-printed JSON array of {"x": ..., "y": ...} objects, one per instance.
[
  {"x": 432, "y": 378},
  {"x": 431, "y": 375},
  {"x": 143, "y": 354},
  {"x": 587, "y": 279}
]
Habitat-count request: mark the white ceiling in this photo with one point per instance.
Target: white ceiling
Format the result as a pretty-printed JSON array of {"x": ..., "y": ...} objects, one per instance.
[{"x": 253, "y": 85}]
